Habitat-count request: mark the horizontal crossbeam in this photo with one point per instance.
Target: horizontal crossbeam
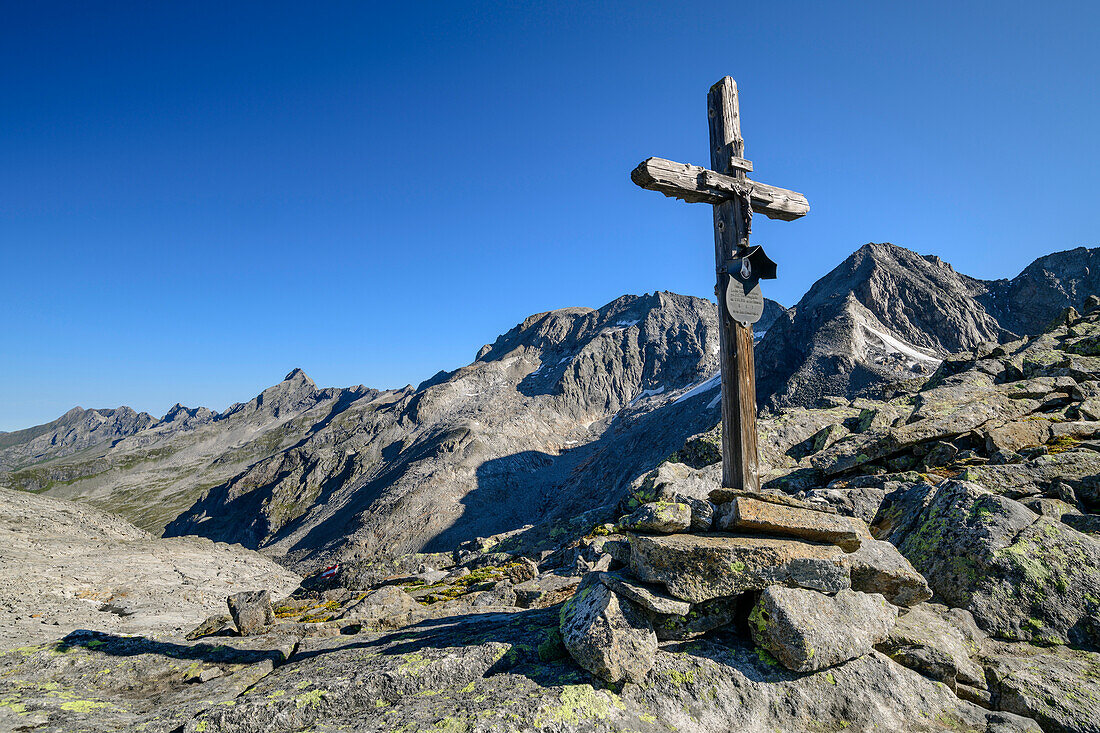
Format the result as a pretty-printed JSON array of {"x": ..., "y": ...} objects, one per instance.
[{"x": 699, "y": 185}]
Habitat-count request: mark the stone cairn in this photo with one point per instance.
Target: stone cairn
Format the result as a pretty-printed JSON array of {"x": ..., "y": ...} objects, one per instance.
[{"x": 820, "y": 588}]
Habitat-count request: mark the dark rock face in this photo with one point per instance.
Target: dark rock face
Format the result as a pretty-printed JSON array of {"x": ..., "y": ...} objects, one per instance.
[{"x": 1027, "y": 303}]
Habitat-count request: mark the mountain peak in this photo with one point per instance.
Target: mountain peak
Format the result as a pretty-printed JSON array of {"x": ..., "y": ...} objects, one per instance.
[{"x": 296, "y": 374}]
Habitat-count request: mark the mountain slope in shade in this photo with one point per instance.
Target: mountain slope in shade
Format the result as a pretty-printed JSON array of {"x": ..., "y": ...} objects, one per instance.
[{"x": 516, "y": 437}]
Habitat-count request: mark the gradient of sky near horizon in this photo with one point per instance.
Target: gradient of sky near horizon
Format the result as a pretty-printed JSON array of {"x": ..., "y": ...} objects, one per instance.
[{"x": 196, "y": 198}]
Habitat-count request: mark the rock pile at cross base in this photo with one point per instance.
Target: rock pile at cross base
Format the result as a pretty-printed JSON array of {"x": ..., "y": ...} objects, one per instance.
[{"x": 821, "y": 590}]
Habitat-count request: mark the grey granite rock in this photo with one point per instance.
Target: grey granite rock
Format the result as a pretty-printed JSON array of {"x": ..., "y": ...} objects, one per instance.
[
  {"x": 660, "y": 517},
  {"x": 607, "y": 634},
  {"x": 697, "y": 568},
  {"x": 650, "y": 597},
  {"x": 807, "y": 630},
  {"x": 878, "y": 567},
  {"x": 251, "y": 611}
]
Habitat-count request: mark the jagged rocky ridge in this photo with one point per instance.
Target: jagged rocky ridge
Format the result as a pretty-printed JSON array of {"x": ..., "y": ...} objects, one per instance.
[
  {"x": 149, "y": 470},
  {"x": 887, "y": 312},
  {"x": 74, "y": 431}
]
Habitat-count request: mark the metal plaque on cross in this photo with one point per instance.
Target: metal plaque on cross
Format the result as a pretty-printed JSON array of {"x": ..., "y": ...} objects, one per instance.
[{"x": 743, "y": 300}]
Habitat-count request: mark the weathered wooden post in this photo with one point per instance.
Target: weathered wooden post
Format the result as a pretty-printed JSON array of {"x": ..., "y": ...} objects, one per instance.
[{"x": 738, "y": 266}]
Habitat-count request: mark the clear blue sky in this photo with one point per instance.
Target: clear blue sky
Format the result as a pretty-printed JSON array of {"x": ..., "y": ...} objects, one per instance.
[{"x": 197, "y": 197}]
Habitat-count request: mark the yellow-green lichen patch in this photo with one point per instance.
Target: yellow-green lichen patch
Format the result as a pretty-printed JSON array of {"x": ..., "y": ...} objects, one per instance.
[
  {"x": 452, "y": 725},
  {"x": 680, "y": 678},
  {"x": 579, "y": 703},
  {"x": 415, "y": 663},
  {"x": 310, "y": 699},
  {"x": 83, "y": 706}
]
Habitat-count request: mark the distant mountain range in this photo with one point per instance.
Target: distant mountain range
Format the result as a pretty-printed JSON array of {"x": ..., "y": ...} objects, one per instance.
[{"x": 555, "y": 417}]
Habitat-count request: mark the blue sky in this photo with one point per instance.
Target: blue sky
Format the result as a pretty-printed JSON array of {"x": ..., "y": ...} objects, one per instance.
[{"x": 197, "y": 197}]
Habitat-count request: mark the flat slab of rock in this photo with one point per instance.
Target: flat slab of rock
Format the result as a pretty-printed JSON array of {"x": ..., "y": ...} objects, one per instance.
[
  {"x": 1058, "y": 687},
  {"x": 724, "y": 495},
  {"x": 697, "y": 568},
  {"x": 607, "y": 635},
  {"x": 806, "y": 630},
  {"x": 387, "y": 606},
  {"x": 746, "y": 514},
  {"x": 659, "y": 516},
  {"x": 545, "y": 590},
  {"x": 67, "y": 566},
  {"x": 251, "y": 611},
  {"x": 648, "y": 596}
]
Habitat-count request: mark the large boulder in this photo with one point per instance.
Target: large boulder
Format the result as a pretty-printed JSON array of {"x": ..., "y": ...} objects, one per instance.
[
  {"x": 251, "y": 611},
  {"x": 861, "y": 502},
  {"x": 1022, "y": 576},
  {"x": 386, "y": 606},
  {"x": 697, "y": 568},
  {"x": 806, "y": 630},
  {"x": 606, "y": 634},
  {"x": 1059, "y": 687},
  {"x": 936, "y": 642}
]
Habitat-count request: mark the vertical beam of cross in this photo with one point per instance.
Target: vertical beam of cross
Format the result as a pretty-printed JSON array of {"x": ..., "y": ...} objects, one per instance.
[
  {"x": 739, "y": 450},
  {"x": 732, "y": 194}
]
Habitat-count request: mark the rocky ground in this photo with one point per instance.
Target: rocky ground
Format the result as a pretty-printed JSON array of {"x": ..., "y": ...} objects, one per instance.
[{"x": 64, "y": 567}]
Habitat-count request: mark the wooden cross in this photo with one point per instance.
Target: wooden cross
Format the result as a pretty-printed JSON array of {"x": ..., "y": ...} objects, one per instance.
[{"x": 735, "y": 198}]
